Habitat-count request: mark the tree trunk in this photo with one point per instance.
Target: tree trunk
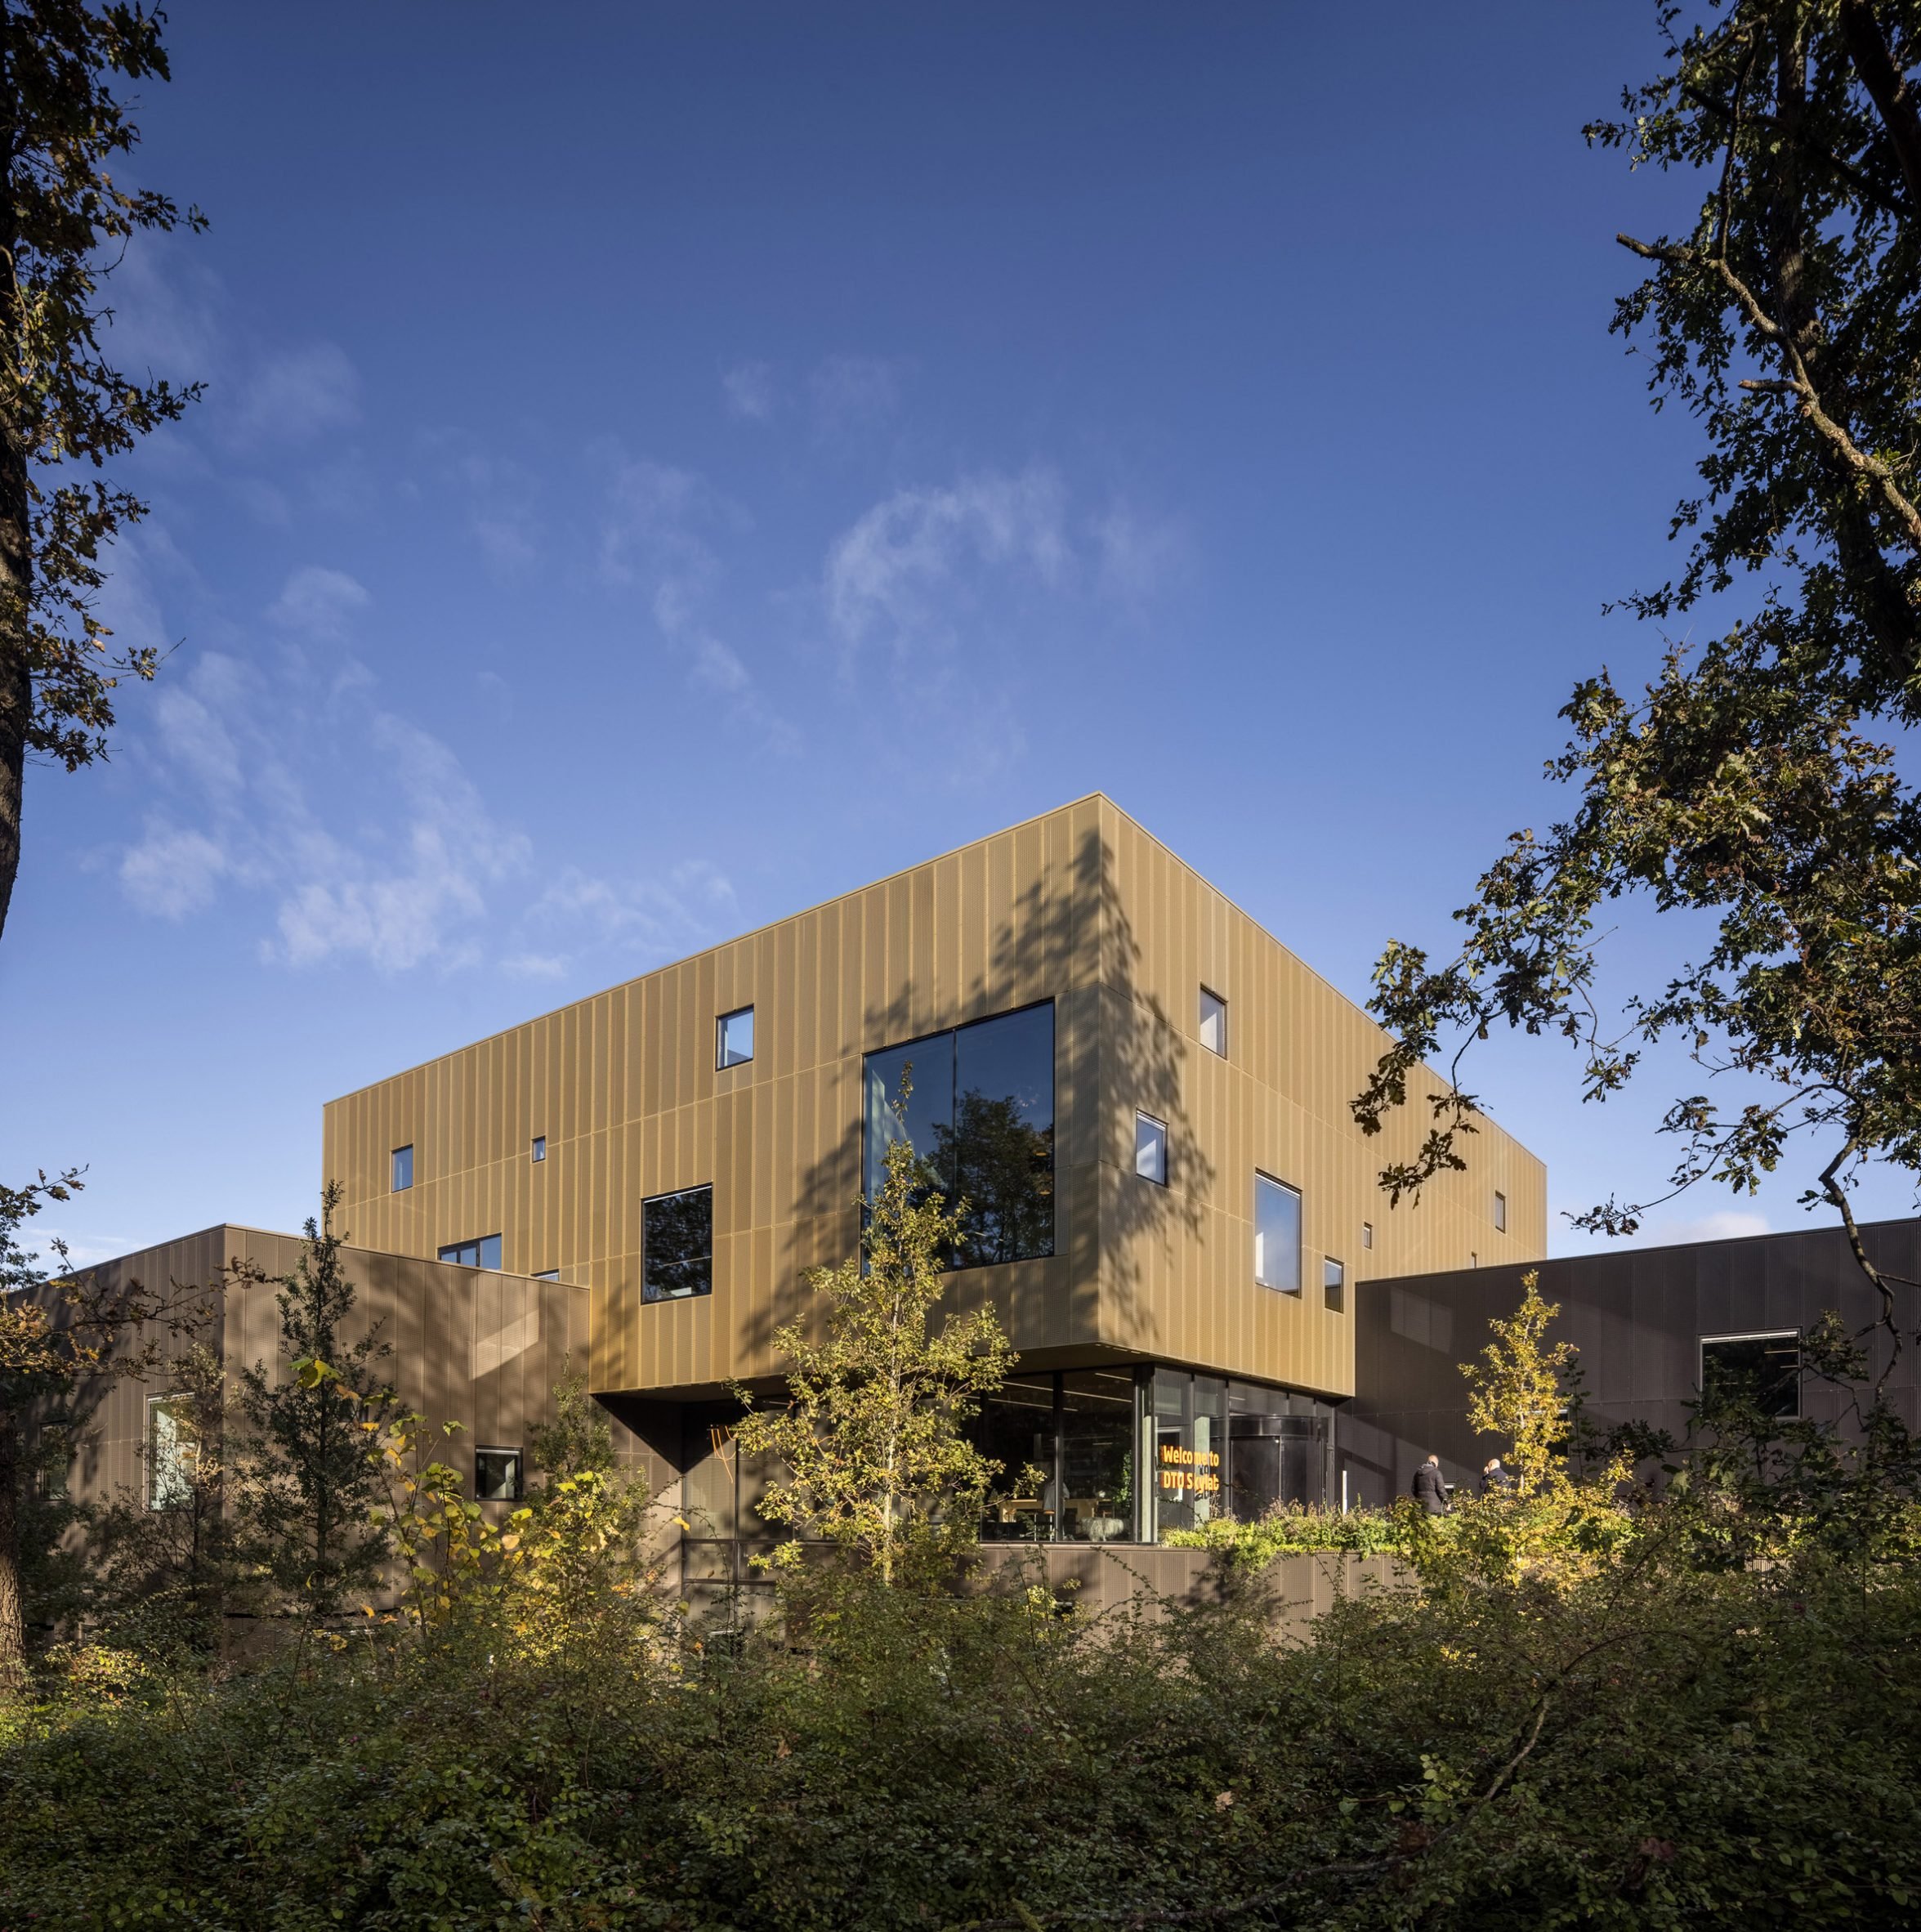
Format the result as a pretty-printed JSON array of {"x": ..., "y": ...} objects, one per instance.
[
  {"x": 16, "y": 561},
  {"x": 13, "y": 1634}
]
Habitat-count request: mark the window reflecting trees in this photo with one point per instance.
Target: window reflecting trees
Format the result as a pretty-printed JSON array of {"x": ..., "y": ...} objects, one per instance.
[
  {"x": 981, "y": 1114},
  {"x": 677, "y": 1245}
]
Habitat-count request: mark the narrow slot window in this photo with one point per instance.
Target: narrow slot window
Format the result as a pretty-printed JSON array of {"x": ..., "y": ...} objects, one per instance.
[
  {"x": 1333, "y": 1284},
  {"x": 1500, "y": 1212},
  {"x": 1151, "y": 1149},
  {"x": 403, "y": 1169},
  {"x": 539, "y": 1150},
  {"x": 1213, "y": 1022}
]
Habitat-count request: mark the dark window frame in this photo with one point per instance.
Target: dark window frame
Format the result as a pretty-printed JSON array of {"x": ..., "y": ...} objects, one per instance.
[
  {"x": 1160, "y": 1180},
  {"x": 648, "y": 1297},
  {"x": 396, "y": 1185},
  {"x": 1500, "y": 1212},
  {"x": 1223, "y": 1051},
  {"x": 1795, "y": 1335},
  {"x": 452, "y": 1253},
  {"x": 537, "y": 1150},
  {"x": 1334, "y": 1284},
  {"x": 519, "y": 1483},
  {"x": 721, "y": 1063},
  {"x": 955, "y": 1266},
  {"x": 1274, "y": 1180}
]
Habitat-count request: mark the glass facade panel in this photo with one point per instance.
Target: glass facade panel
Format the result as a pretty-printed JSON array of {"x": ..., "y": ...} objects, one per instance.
[
  {"x": 1150, "y": 1148},
  {"x": 676, "y": 1252},
  {"x": 1213, "y": 1022},
  {"x": 926, "y": 1123},
  {"x": 482, "y": 1253},
  {"x": 734, "y": 1045},
  {"x": 1277, "y": 1235},
  {"x": 981, "y": 1117},
  {"x": 497, "y": 1475},
  {"x": 1758, "y": 1371},
  {"x": 1002, "y": 1139},
  {"x": 403, "y": 1170},
  {"x": 1015, "y": 1428},
  {"x": 1097, "y": 1456}
]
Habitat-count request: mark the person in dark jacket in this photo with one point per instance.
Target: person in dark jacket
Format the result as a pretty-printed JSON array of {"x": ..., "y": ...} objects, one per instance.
[
  {"x": 1429, "y": 1492},
  {"x": 1495, "y": 1479}
]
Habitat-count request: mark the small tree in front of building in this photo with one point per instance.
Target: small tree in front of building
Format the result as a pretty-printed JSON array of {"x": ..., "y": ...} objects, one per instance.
[
  {"x": 308, "y": 1471},
  {"x": 871, "y": 1433},
  {"x": 1517, "y": 1390}
]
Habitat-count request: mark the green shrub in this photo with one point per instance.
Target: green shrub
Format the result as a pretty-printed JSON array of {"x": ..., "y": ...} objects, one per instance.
[{"x": 1291, "y": 1529}]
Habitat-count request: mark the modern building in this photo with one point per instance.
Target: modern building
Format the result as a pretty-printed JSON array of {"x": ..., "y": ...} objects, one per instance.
[{"x": 1144, "y": 1098}]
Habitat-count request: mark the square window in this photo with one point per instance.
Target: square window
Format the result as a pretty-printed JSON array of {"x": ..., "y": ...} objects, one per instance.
[
  {"x": 1277, "y": 1235},
  {"x": 484, "y": 1253},
  {"x": 1150, "y": 1148},
  {"x": 734, "y": 1043},
  {"x": 539, "y": 1148},
  {"x": 403, "y": 1170},
  {"x": 1500, "y": 1213},
  {"x": 1758, "y": 1371},
  {"x": 497, "y": 1475},
  {"x": 676, "y": 1237},
  {"x": 1367, "y": 1234},
  {"x": 1213, "y": 1022},
  {"x": 1333, "y": 1284}
]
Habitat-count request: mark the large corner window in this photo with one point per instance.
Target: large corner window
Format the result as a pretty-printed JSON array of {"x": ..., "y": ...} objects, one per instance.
[
  {"x": 980, "y": 1115},
  {"x": 1757, "y": 1372},
  {"x": 1277, "y": 1235},
  {"x": 403, "y": 1175},
  {"x": 677, "y": 1245},
  {"x": 484, "y": 1252},
  {"x": 173, "y": 1451}
]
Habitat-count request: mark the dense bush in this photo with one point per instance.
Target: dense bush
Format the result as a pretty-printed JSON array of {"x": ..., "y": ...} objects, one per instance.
[{"x": 1649, "y": 1745}]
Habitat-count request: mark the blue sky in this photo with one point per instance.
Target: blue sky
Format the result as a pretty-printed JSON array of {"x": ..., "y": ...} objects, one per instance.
[{"x": 664, "y": 466}]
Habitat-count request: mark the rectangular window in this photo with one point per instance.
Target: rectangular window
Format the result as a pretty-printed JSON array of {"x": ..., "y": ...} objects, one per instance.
[
  {"x": 1500, "y": 1213},
  {"x": 676, "y": 1250},
  {"x": 548, "y": 1274},
  {"x": 1213, "y": 1022},
  {"x": 482, "y": 1253},
  {"x": 1760, "y": 1372},
  {"x": 57, "y": 1444},
  {"x": 734, "y": 1044},
  {"x": 173, "y": 1451},
  {"x": 497, "y": 1475},
  {"x": 403, "y": 1170},
  {"x": 539, "y": 1150},
  {"x": 1150, "y": 1148},
  {"x": 1333, "y": 1284},
  {"x": 1277, "y": 1235},
  {"x": 980, "y": 1115},
  {"x": 1367, "y": 1234}
]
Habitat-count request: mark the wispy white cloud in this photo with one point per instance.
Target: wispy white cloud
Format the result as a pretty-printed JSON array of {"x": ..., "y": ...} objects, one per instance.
[
  {"x": 394, "y": 866},
  {"x": 318, "y": 603},
  {"x": 1135, "y": 555},
  {"x": 747, "y": 391},
  {"x": 655, "y": 918},
  {"x": 171, "y": 872},
  {"x": 291, "y": 395},
  {"x": 897, "y": 570}
]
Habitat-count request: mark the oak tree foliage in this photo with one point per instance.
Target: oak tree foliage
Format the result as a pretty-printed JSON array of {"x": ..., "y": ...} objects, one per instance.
[
  {"x": 66, "y": 410},
  {"x": 1760, "y": 780}
]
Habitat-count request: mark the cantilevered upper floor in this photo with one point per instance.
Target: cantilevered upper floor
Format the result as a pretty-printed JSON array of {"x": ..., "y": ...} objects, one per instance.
[{"x": 1144, "y": 1095}]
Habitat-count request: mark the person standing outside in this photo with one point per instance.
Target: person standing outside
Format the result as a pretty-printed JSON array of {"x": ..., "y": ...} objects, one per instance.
[
  {"x": 1495, "y": 1480},
  {"x": 1430, "y": 1490}
]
